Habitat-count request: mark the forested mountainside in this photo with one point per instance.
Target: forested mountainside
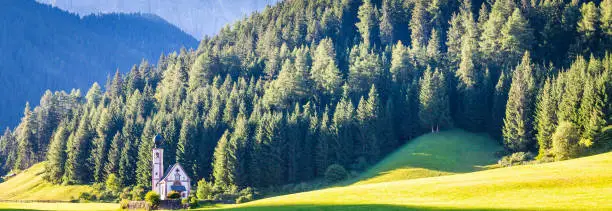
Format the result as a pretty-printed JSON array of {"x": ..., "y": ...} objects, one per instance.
[
  {"x": 281, "y": 95},
  {"x": 45, "y": 48},
  {"x": 196, "y": 17}
]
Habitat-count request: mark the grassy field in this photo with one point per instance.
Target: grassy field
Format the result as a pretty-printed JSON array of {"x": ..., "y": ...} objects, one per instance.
[
  {"x": 443, "y": 153},
  {"x": 58, "y": 206},
  {"x": 29, "y": 185},
  {"x": 579, "y": 184},
  {"x": 445, "y": 171}
]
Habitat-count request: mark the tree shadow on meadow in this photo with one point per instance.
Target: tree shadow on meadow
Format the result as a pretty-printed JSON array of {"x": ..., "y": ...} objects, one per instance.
[{"x": 368, "y": 207}]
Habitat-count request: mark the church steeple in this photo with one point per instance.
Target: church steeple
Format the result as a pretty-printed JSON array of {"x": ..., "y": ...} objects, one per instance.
[{"x": 157, "y": 163}]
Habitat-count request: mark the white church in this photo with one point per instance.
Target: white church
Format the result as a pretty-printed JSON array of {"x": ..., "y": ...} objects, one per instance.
[{"x": 174, "y": 179}]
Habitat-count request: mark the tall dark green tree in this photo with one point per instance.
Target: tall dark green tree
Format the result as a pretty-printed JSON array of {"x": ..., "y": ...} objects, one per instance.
[
  {"x": 434, "y": 109},
  {"x": 519, "y": 134}
]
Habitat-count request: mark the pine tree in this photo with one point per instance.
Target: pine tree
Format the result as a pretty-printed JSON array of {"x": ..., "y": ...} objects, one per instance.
[
  {"x": 401, "y": 68},
  {"x": 56, "y": 156},
  {"x": 546, "y": 117},
  {"x": 516, "y": 37},
  {"x": 368, "y": 23},
  {"x": 220, "y": 169},
  {"x": 114, "y": 155},
  {"x": 186, "y": 151},
  {"x": 77, "y": 170},
  {"x": 116, "y": 87},
  {"x": 434, "y": 106},
  {"x": 605, "y": 9},
  {"x": 25, "y": 138},
  {"x": 518, "y": 124},
  {"x": 491, "y": 38},
  {"x": 453, "y": 42},
  {"x": 589, "y": 23},
  {"x": 343, "y": 126},
  {"x": 144, "y": 160},
  {"x": 109, "y": 123},
  {"x": 471, "y": 112},
  {"x": 8, "y": 146},
  {"x": 434, "y": 53},
  {"x": 386, "y": 23},
  {"x": 236, "y": 153},
  {"x": 419, "y": 28},
  {"x": 368, "y": 116},
  {"x": 325, "y": 72},
  {"x": 572, "y": 93},
  {"x": 323, "y": 156},
  {"x": 202, "y": 71},
  {"x": 364, "y": 70}
]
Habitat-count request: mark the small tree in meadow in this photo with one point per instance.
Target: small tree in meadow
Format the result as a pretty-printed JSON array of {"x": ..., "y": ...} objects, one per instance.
[
  {"x": 565, "y": 141},
  {"x": 113, "y": 184}
]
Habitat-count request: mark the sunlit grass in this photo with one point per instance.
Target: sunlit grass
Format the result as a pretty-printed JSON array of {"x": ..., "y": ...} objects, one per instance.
[
  {"x": 29, "y": 185},
  {"x": 59, "y": 206},
  {"x": 583, "y": 184},
  {"x": 436, "y": 154}
]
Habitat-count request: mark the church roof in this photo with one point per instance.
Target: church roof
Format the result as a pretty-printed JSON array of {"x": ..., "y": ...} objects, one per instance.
[{"x": 176, "y": 165}]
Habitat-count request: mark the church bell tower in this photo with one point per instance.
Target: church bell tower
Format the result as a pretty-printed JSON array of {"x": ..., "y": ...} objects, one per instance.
[{"x": 158, "y": 163}]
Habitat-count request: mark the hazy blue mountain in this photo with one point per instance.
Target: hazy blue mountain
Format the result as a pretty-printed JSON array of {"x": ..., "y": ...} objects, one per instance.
[
  {"x": 42, "y": 47},
  {"x": 196, "y": 17}
]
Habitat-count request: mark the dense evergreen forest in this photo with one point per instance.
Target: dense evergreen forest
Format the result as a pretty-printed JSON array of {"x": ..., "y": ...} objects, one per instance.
[
  {"x": 280, "y": 96},
  {"x": 42, "y": 48}
]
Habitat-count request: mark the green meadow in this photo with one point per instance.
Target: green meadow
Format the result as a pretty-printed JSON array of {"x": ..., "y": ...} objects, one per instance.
[{"x": 451, "y": 170}]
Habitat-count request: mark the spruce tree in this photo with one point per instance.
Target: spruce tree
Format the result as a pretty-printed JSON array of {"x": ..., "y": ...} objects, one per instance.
[
  {"x": 144, "y": 160},
  {"x": 419, "y": 28},
  {"x": 546, "y": 117},
  {"x": 434, "y": 111},
  {"x": 25, "y": 137},
  {"x": 220, "y": 159},
  {"x": 368, "y": 23},
  {"x": 518, "y": 132},
  {"x": 386, "y": 23},
  {"x": 56, "y": 156},
  {"x": 77, "y": 169},
  {"x": 343, "y": 126},
  {"x": 364, "y": 70},
  {"x": 114, "y": 155},
  {"x": 516, "y": 37},
  {"x": 325, "y": 72}
]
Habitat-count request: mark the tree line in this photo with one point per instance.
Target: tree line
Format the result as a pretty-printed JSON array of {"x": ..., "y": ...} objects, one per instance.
[{"x": 280, "y": 96}]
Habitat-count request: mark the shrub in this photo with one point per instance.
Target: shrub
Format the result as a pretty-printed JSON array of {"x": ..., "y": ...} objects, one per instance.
[
  {"x": 124, "y": 203},
  {"x": 246, "y": 195},
  {"x": 565, "y": 141},
  {"x": 335, "y": 173},
  {"x": 112, "y": 183},
  {"x": 138, "y": 192},
  {"x": 174, "y": 195},
  {"x": 85, "y": 196},
  {"x": 193, "y": 202},
  {"x": 107, "y": 196},
  {"x": 152, "y": 198},
  {"x": 242, "y": 199},
  {"x": 204, "y": 190},
  {"x": 517, "y": 158}
]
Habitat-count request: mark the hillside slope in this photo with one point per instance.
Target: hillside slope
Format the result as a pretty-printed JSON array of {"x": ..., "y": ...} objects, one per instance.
[
  {"x": 186, "y": 14},
  {"x": 29, "y": 185},
  {"x": 42, "y": 48},
  {"x": 583, "y": 183},
  {"x": 435, "y": 154}
]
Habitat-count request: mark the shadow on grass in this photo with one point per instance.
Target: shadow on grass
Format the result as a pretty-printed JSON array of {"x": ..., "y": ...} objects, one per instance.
[{"x": 368, "y": 207}]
